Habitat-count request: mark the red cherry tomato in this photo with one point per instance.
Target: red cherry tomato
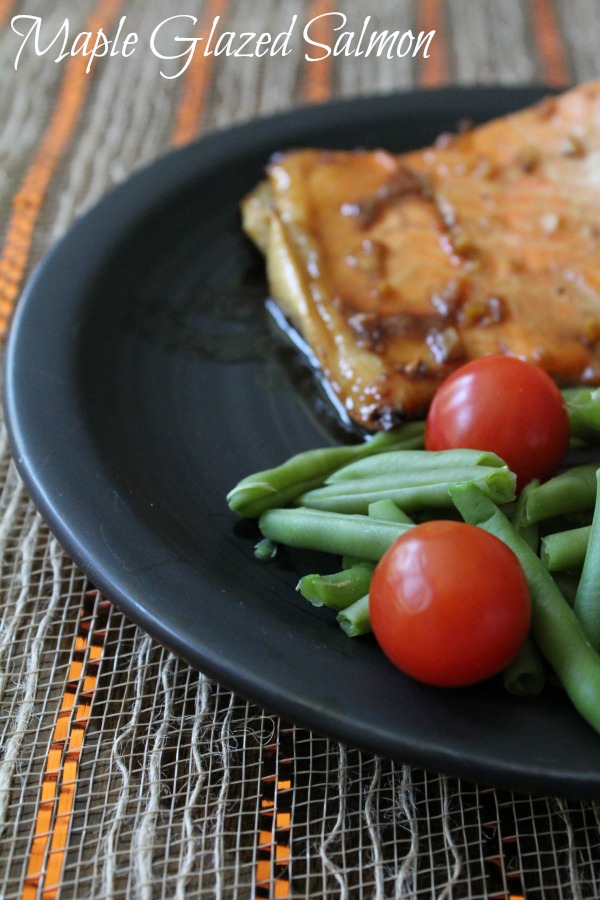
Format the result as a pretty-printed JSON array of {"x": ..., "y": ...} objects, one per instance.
[
  {"x": 449, "y": 604},
  {"x": 505, "y": 405}
]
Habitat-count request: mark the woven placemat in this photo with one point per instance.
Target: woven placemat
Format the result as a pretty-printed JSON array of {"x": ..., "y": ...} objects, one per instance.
[{"x": 123, "y": 772}]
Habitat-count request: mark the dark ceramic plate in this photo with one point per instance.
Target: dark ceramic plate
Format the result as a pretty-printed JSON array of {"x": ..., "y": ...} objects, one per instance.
[{"x": 141, "y": 383}]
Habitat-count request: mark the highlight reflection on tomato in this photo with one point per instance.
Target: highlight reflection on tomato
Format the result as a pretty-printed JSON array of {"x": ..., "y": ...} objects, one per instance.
[
  {"x": 506, "y": 405},
  {"x": 449, "y": 604}
]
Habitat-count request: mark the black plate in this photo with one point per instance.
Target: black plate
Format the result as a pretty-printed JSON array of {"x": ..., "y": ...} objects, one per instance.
[{"x": 141, "y": 384}]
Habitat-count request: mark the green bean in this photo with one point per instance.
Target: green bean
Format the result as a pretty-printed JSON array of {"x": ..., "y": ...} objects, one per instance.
[
  {"x": 564, "y": 550},
  {"x": 583, "y": 409},
  {"x": 571, "y": 491},
  {"x": 339, "y": 590},
  {"x": 265, "y": 550},
  {"x": 413, "y": 478},
  {"x": 388, "y": 511},
  {"x": 524, "y": 676},
  {"x": 405, "y": 478},
  {"x": 531, "y": 533},
  {"x": 555, "y": 628},
  {"x": 397, "y": 461},
  {"x": 355, "y": 496},
  {"x": 305, "y": 471},
  {"x": 587, "y": 598},
  {"x": 355, "y": 619},
  {"x": 311, "y": 529}
]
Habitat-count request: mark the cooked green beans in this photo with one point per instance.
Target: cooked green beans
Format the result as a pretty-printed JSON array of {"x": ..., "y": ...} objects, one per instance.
[
  {"x": 398, "y": 461},
  {"x": 305, "y": 471},
  {"x": 355, "y": 619},
  {"x": 388, "y": 511},
  {"x": 310, "y": 529},
  {"x": 555, "y": 628},
  {"x": 356, "y": 501},
  {"x": 339, "y": 590},
  {"x": 411, "y": 491},
  {"x": 587, "y": 598},
  {"x": 265, "y": 550},
  {"x": 572, "y": 491},
  {"x": 564, "y": 550},
  {"x": 583, "y": 409},
  {"x": 531, "y": 532}
]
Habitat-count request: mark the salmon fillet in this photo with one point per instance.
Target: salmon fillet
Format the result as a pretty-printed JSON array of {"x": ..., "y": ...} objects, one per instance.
[{"x": 398, "y": 269}]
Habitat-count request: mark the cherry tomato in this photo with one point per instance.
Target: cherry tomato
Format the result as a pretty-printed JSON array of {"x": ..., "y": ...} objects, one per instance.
[
  {"x": 505, "y": 405},
  {"x": 449, "y": 603}
]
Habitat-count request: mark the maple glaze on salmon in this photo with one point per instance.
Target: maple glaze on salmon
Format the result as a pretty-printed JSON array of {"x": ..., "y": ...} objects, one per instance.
[{"x": 398, "y": 269}]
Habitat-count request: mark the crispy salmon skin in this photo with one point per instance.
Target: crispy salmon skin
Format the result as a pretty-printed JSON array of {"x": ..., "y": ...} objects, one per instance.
[{"x": 398, "y": 269}]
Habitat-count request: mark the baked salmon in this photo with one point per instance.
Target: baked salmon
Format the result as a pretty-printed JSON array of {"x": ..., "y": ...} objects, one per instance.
[{"x": 396, "y": 269}]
